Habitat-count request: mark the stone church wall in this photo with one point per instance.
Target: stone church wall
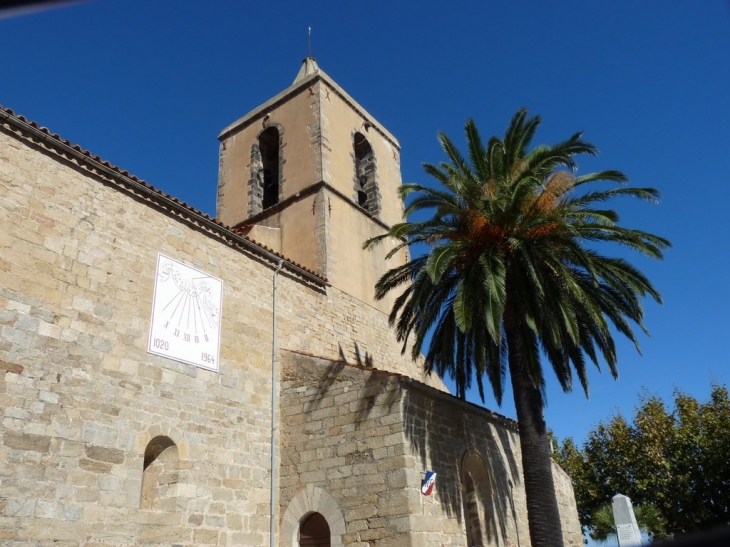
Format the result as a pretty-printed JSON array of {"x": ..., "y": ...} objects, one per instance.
[
  {"x": 441, "y": 432},
  {"x": 342, "y": 433},
  {"x": 83, "y": 402},
  {"x": 365, "y": 438},
  {"x": 85, "y": 399}
]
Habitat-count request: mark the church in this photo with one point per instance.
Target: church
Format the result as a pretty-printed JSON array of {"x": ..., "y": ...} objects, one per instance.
[{"x": 172, "y": 379}]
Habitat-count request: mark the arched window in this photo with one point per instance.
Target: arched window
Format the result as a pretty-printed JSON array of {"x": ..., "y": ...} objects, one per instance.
[
  {"x": 269, "y": 174},
  {"x": 366, "y": 187},
  {"x": 314, "y": 532},
  {"x": 160, "y": 475},
  {"x": 478, "y": 502}
]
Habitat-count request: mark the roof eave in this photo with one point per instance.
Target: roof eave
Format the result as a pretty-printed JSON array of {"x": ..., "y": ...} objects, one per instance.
[{"x": 123, "y": 179}]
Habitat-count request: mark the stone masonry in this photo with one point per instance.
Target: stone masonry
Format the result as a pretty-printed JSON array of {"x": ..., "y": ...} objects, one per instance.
[
  {"x": 103, "y": 444},
  {"x": 80, "y": 395},
  {"x": 366, "y": 436}
]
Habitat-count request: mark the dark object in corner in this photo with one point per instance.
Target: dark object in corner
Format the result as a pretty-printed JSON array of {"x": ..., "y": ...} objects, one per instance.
[{"x": 718, "y": 537}]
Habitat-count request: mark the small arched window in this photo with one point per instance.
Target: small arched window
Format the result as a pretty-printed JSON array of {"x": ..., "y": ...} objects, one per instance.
[
  {"x": 366, "y": 188},
  {"x": 269, "y": 170},
  {"x": 160, "y": 475},
  {"x": 314, "y": 532}
]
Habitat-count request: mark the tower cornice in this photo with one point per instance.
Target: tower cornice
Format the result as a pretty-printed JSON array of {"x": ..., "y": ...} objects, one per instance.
[{"x": 309, "y": 191}]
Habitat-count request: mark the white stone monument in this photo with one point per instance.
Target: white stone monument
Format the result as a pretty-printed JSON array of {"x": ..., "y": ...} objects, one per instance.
[{"x": 627, "y": 530}]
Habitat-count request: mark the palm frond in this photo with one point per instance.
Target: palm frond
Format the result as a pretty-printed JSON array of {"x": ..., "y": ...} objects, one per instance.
[{"x": 509, "y": 273}]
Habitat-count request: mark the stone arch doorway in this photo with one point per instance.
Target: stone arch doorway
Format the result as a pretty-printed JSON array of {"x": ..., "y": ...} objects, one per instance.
[
  {"x": 314, "y": 532},
  {"x": 310, "y": 501}
]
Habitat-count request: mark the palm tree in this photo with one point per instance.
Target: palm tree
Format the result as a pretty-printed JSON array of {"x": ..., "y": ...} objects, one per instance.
[{"x": 513, "y": 275}]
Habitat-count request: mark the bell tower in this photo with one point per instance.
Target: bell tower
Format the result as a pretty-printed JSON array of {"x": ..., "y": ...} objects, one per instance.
[{"x": 312, "y": 175}]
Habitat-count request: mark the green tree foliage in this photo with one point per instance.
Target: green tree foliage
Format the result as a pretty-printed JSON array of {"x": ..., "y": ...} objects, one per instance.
[
  {"x": 513, "y": 274},
  {"x": 677, "y": 461}
]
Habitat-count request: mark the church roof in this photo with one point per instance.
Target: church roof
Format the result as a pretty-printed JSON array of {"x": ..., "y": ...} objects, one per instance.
[{"x": 123, "y": 178}]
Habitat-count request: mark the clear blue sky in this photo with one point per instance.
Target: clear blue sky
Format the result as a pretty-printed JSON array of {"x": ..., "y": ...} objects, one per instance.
[{"x": 148, "y": 85}]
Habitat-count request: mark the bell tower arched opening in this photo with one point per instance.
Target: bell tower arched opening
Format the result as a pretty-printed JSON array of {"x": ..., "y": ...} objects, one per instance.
[
  {"x": 366, "y": 187},
  {"x": 269, "y": 149}
]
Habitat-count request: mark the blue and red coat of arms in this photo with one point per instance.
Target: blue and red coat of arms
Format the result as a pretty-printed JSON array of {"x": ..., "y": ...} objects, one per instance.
[{"x": 428, "y": 481}]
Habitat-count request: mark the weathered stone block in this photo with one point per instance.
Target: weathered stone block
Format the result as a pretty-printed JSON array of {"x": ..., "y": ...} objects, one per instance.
[
  {"x": 162, "y": 534},
  {"x": 205, "y": 537},
  {"x": 13, "y": 368},
  {"x": 26, "y": 441},
  {"x": 94, "y": 466},
  {"x": 104, "y": 454}
]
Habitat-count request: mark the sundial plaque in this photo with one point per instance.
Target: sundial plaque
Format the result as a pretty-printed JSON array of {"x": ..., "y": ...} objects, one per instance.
[{"x": 186, "y": 312}]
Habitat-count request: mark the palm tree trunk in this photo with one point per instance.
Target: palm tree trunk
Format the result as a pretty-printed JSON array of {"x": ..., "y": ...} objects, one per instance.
[{"x": 543, "y": 515}]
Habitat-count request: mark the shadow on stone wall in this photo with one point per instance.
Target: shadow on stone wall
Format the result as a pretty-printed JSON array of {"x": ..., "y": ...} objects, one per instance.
[
  {"x": 330, "y": 376},
  {"x": 369, "y": 389},
  {"x": 441, "y": 432},
  {"x": 439, "y": 428}
]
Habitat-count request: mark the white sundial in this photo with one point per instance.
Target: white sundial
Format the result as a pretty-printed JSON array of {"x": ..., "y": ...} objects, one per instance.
[{"x": 185, "y": 323}]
